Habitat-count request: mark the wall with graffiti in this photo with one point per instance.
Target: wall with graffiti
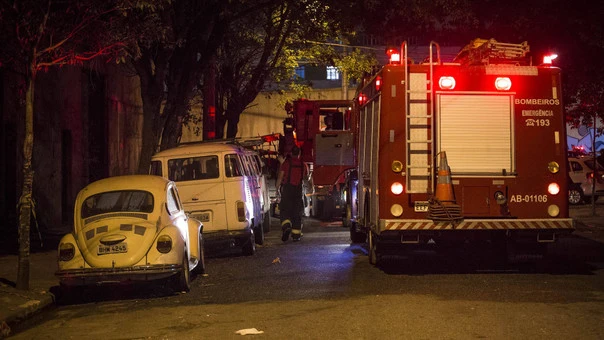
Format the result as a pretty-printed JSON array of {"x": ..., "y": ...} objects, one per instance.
[{"x": 581, "y": 139}]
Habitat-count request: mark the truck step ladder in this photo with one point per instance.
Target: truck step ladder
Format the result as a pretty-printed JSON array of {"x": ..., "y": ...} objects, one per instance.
[{"x": 419, "y": 118}]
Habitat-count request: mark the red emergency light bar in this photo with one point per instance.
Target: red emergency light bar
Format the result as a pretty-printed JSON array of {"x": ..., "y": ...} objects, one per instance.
[
  {"x": 394, "y": 56},
  {"x": 547, "y": 59}
]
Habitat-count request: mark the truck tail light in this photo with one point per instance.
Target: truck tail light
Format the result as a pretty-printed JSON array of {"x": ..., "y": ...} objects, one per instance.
[
  {"x": 553, "y": 167},
  {"x": 378, "y": 83},
  {"x": 553, "y": 189},
  {"x": 446, "y": 83},
  {"x": 396, "y": 188},
  {"x": 503, "y": 83}
]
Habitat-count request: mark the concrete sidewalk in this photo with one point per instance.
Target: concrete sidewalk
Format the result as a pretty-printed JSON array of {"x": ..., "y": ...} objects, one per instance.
[{"x": 17, "y": 305}]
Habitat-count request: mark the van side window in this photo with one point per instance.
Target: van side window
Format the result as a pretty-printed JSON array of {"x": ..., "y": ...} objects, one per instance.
[
  {"x": 193, "y": 168},
  {"x": 232, "y": 166},
  {"x": 155, "y": 168}
]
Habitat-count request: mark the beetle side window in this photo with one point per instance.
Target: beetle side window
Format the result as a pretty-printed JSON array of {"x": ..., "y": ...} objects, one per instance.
[{"x": 172, "y": 202}]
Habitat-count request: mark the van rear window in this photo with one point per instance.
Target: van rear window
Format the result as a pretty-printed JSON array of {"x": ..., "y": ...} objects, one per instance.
[
  {"x": 193, "y": 168},
  {"x": 232, "y": 166}
]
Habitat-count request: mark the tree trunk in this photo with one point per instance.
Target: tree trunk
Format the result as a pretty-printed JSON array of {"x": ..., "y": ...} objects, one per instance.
[
  {"x": 152, "y": 75},
  {"x": 25, "y": 201},
  {"x": 152, "y": 99},
  {"x": 232, "y": 125}
]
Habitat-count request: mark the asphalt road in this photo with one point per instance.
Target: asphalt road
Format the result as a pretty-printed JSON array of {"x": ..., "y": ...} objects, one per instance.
[{"x": 324, "y": 288}]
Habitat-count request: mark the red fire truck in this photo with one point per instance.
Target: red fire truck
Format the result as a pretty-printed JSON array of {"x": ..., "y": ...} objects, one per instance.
[
  {"x": 324, "y": 132},
  {"x": 455, "y": 153}
]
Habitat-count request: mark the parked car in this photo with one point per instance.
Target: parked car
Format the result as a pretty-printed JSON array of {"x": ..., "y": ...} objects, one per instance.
[
  {"x": 581, "y": 173},
  {"x": 220, "y": 186},
  {"x": 131, "y": 228}
]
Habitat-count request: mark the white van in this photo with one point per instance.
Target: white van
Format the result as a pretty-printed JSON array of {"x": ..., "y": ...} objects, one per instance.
[{"x": 218, "y": 185}]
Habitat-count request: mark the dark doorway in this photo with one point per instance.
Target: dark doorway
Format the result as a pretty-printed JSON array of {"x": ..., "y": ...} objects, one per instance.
[
  {"x": 98, "y": 145},
  {"x": 66, "y": 177},
  {"x": 9, "y": 169}
]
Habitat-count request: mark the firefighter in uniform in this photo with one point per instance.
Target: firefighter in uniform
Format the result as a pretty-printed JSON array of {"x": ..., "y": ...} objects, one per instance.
[{"x": 289, "y": 187}]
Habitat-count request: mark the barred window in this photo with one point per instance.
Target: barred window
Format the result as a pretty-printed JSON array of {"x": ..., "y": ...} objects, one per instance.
[{"x": 333, "y": 73}]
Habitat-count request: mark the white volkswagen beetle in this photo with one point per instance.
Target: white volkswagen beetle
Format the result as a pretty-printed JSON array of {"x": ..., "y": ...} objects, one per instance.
[{"x": 130, "y": 228}]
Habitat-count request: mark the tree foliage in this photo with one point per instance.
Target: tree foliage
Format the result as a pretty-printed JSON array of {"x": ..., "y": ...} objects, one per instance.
[
  {"x": 34, "y": 36},
  {"x": 168, "y": 44},
  {"x": 275, "y": 40}
]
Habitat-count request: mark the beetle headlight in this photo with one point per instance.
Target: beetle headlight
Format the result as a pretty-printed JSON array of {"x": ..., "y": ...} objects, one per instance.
[
  {"x": 164, "y": 244},
  {"x": 66, "y": 251}
]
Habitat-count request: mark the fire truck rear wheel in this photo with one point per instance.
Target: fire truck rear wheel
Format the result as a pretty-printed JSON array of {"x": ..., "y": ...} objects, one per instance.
[
  {"x": 374, "y": 255},
  {"x": 347, "y": 217},
  {"x": 357, "y": 236}
]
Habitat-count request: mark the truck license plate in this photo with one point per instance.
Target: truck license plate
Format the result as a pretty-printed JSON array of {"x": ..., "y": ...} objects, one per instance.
[
  {"x": 421, "y": 206},
  {"x": 113, "y": 249}
]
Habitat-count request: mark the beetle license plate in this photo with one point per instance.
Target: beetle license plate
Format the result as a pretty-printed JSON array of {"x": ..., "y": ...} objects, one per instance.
[{"x": 113, "y": 249}]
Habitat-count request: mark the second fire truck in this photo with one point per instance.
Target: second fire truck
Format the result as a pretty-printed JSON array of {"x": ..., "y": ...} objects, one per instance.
[{"x": 455, "y": 153}]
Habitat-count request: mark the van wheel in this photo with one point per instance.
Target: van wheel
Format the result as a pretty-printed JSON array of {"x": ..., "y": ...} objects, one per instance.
[
  {"x": 249, "y": 247},
  {"x": 266, "y": 222},
  {"x": 259, "y": 234},
  {"x": 201, "y": 265},
  {"x": 374, "y": 255}
]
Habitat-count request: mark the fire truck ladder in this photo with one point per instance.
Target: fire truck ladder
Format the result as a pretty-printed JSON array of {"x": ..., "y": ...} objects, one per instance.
[{"x": 419, "y": 144}]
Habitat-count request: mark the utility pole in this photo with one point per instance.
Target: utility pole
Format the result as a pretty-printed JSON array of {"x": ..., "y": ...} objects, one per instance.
[{"x": 596, "y": 175}]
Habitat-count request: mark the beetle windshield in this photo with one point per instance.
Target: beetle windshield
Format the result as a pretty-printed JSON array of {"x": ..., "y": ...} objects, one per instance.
[{"x": 118, "y": 201}]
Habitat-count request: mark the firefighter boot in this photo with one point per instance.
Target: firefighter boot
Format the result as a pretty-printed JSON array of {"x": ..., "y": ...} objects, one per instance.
[
  {"x": 286, "y": 227},
  {"x": 296, "y": 234}
]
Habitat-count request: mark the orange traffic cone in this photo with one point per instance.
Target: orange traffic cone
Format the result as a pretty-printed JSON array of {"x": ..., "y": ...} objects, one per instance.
[
  {"x": 443, "y": 206},
  {"x": 444, "y": 187}
]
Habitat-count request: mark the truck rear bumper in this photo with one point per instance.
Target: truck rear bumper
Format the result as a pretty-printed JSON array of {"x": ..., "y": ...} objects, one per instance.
[
  {"x": 426, "y": 232},
  {"x": 553, "y": 224}
]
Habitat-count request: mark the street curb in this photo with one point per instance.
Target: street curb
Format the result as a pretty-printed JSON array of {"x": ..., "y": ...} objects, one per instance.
[{"x": 32, "y": 304}]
